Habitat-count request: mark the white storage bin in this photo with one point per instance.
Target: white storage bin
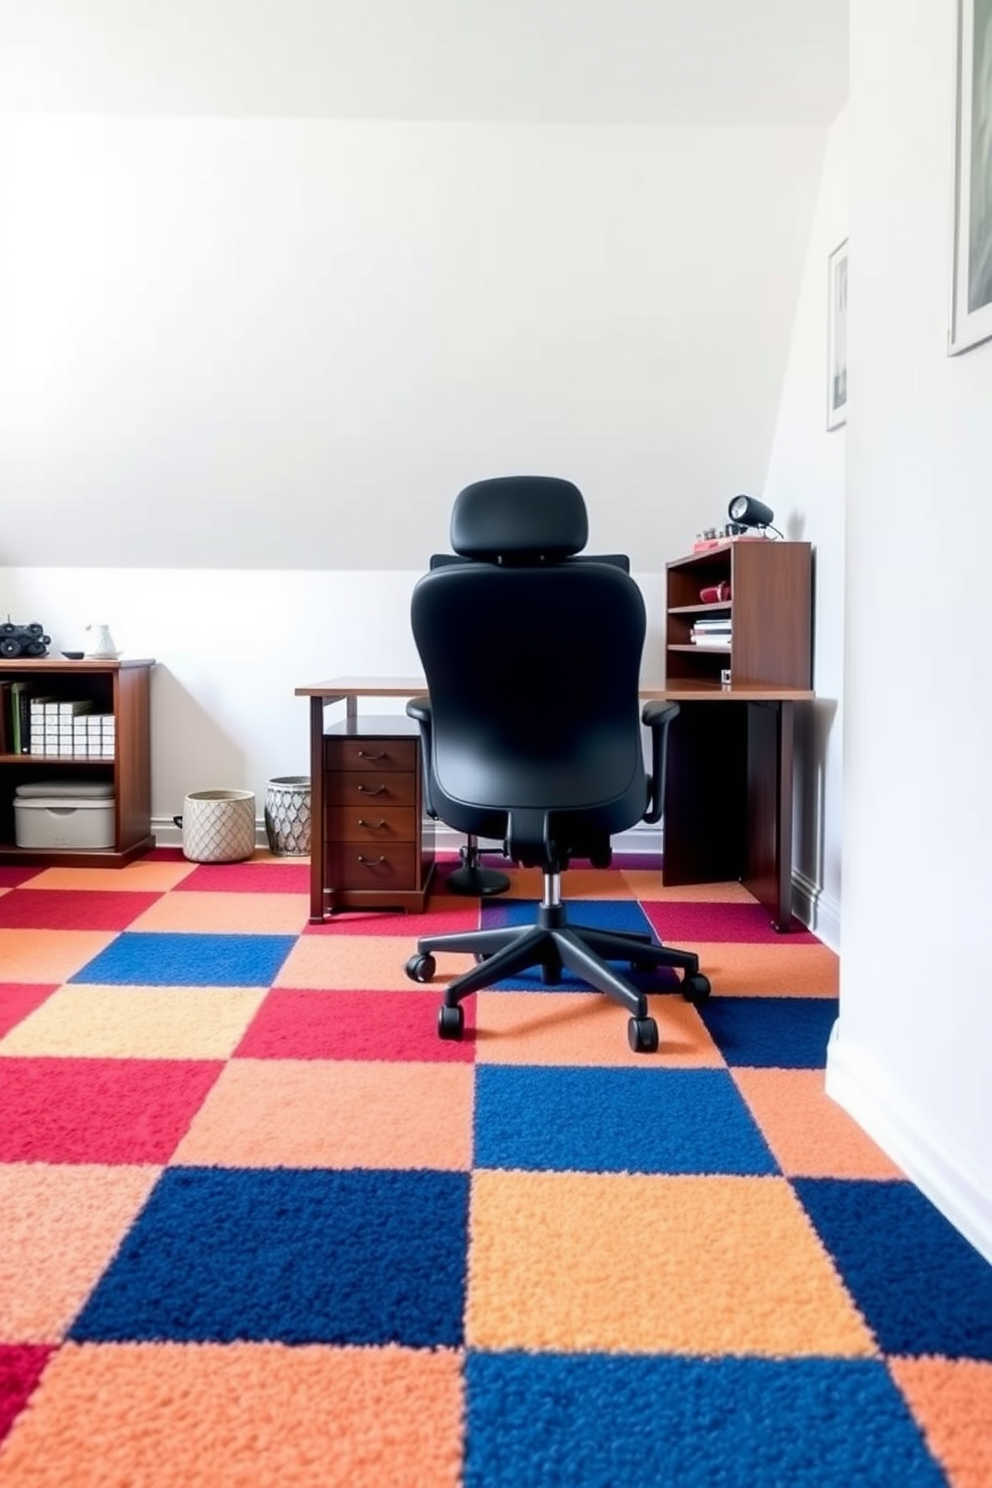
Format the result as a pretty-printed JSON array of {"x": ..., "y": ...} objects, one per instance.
[
  {"x": 74, "y": 788},
  {"x": 63, "y": 821}
]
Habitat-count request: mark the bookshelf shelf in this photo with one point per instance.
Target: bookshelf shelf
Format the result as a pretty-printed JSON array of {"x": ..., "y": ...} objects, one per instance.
[
  {"x": 50, "y": 759},
  {"x": 120, "y": 688},
  {"x": 769, "y": 611}
]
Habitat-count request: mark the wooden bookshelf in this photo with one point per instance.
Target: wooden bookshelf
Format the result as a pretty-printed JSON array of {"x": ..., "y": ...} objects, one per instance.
[
  {"x": 770, "y": 611},
  {"x": 729, "y": 783},
  {"x": 119, "y": 687}
]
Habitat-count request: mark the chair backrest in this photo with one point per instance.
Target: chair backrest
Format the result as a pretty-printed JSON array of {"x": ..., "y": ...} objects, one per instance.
[
  {"x": 532, "y": 658},
  {"x": 615, "y": 560}
]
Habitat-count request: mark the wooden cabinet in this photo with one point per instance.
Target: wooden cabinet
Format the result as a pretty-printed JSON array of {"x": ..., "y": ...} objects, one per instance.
[
  {"x": 769, "y": 609},
  {"x": 729, "y": 779},
  {"x": 376, "y": 850},
  {"x": 121, "y": 689}
]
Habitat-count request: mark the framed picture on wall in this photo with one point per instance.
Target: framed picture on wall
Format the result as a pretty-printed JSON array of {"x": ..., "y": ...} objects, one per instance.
[
  {"x": 971, "y": 289},
  {"x": 837, "y": 337}
]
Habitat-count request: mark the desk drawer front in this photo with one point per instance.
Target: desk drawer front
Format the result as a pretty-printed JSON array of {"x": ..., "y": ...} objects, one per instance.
[
  {"x": 370, "y": 823},
  {"x": 363, "y": 789},
  {"x": 377, "y": 755},
  {"x": 375, "y": 866}
]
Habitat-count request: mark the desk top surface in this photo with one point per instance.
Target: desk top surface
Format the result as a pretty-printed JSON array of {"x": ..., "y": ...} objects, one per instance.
[{"x": 337, "y": 689}]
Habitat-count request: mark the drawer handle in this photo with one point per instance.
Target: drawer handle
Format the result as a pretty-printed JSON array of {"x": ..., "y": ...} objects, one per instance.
[
  {"x": 367, "y": 790},
  {"x": 364, "y": 754},
  {"x": 371, "y": 862},
  {"x": 373, "y": 826}
]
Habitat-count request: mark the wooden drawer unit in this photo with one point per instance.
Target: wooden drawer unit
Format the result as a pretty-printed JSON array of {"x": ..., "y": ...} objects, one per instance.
[
  {"x": 365, "y": 789},
  {"x": 377, "y": 756},
  {"x": 370, "y": 824},
  {"x": 351, "y": 866},
  {"x": 376, "y": 848}
]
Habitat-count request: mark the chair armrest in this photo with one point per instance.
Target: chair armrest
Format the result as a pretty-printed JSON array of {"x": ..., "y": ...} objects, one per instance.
[
  {"x": 657, "y": 715},
  {"x": 419, "y": 709}
]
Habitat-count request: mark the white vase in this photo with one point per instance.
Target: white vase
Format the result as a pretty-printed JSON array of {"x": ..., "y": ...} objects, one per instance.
[{"x": 102, "y": 646}]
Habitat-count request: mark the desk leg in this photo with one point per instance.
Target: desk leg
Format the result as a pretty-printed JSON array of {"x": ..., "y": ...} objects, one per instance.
[
  {"x": 768, "y": 875},
  {"x": 316, "y": 811}
]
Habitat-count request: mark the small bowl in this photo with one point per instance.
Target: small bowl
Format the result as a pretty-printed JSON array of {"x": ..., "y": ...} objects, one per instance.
[{"x": 73, "y": 655}]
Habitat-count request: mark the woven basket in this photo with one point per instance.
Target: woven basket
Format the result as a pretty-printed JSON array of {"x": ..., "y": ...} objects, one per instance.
[
  {"x": 218, "y": 826},
  {"x": 287, "y": 815}
]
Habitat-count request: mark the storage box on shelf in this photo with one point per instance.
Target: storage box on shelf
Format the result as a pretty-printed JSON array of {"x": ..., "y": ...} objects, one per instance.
[
  {"x": 64, "y": 813},
  {"x": 114, "y": 749},
  {"x": 768, "y": 610}
]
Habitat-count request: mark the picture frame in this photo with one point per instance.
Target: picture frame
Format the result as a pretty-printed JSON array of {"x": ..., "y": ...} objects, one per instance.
[
  {"x": 837, "y": 336},
  {"x": 971, "y": 277}
]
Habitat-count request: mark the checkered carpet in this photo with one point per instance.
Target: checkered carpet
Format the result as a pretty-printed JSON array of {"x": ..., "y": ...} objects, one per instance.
[{"x": 261, "y": 1226}]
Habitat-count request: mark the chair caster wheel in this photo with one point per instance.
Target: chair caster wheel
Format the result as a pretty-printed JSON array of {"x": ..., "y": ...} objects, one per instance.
[
  {"x": 696, "y": 988},
  {"x": 421, "y": 968},
  {"x": 642, "y": 1035},
  {"x": 450, "y": 1022}
]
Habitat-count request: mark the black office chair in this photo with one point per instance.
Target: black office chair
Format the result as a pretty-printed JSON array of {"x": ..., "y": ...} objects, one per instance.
[
  {"x": 473, "y": 877},
  {"x": 532, "y": 734}
]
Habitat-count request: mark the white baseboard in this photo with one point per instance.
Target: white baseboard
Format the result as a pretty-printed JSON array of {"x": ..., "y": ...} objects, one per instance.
[
  {"x": 641, "y": 838},
  {"x": 904, "y": 1135},
  {"x": 814, "y": 908},
  {"x": 817, "y": 910},
  {"x": 167, "y": 834}
]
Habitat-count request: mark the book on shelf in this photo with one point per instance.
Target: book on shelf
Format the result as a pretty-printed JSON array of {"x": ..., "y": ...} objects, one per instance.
[
  {"x": 711, "y": 633},
  {"x": 20, "y": 717},
  {"x": 33, "y": 723},
  {"x": 39, "y": 707}
]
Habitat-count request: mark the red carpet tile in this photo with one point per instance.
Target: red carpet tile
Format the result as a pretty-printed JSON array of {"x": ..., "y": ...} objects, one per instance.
[
  {"x": 20, "y": 1370},
  {"x": 293, "y": 1024},
  {"x": 247, "y": 878},
  {"x": 60, "y": 909},
  {"x": 17, "y": 999},
  {"x": 98, "y": 1110},
  {"x": 269, "y": 1229}
]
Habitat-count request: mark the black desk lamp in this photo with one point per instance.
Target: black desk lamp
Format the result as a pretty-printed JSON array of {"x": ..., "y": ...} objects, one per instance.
[{"x": 749, "y": 512}]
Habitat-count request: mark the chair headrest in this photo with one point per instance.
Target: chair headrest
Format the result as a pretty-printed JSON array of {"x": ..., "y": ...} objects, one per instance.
[{"x": 516, "y": 517}]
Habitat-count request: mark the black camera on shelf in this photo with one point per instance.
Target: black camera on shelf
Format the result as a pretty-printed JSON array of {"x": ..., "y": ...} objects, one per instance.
[{"x": 28, "y": 641}]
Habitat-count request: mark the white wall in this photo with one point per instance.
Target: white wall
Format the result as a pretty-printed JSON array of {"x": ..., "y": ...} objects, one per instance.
[
  {"x": 232, "y": 646},
  {"x": 805, "y": 488},
  {"x": 912, "y": 1056},
  {"x": 274, "y": 343},
  {"x": 247, "y": 364}
]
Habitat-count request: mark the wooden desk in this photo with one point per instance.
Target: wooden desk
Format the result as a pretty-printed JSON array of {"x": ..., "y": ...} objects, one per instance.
[
  {"x": 728, "y": 785},
  {"x": 728, "y": 789}
]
